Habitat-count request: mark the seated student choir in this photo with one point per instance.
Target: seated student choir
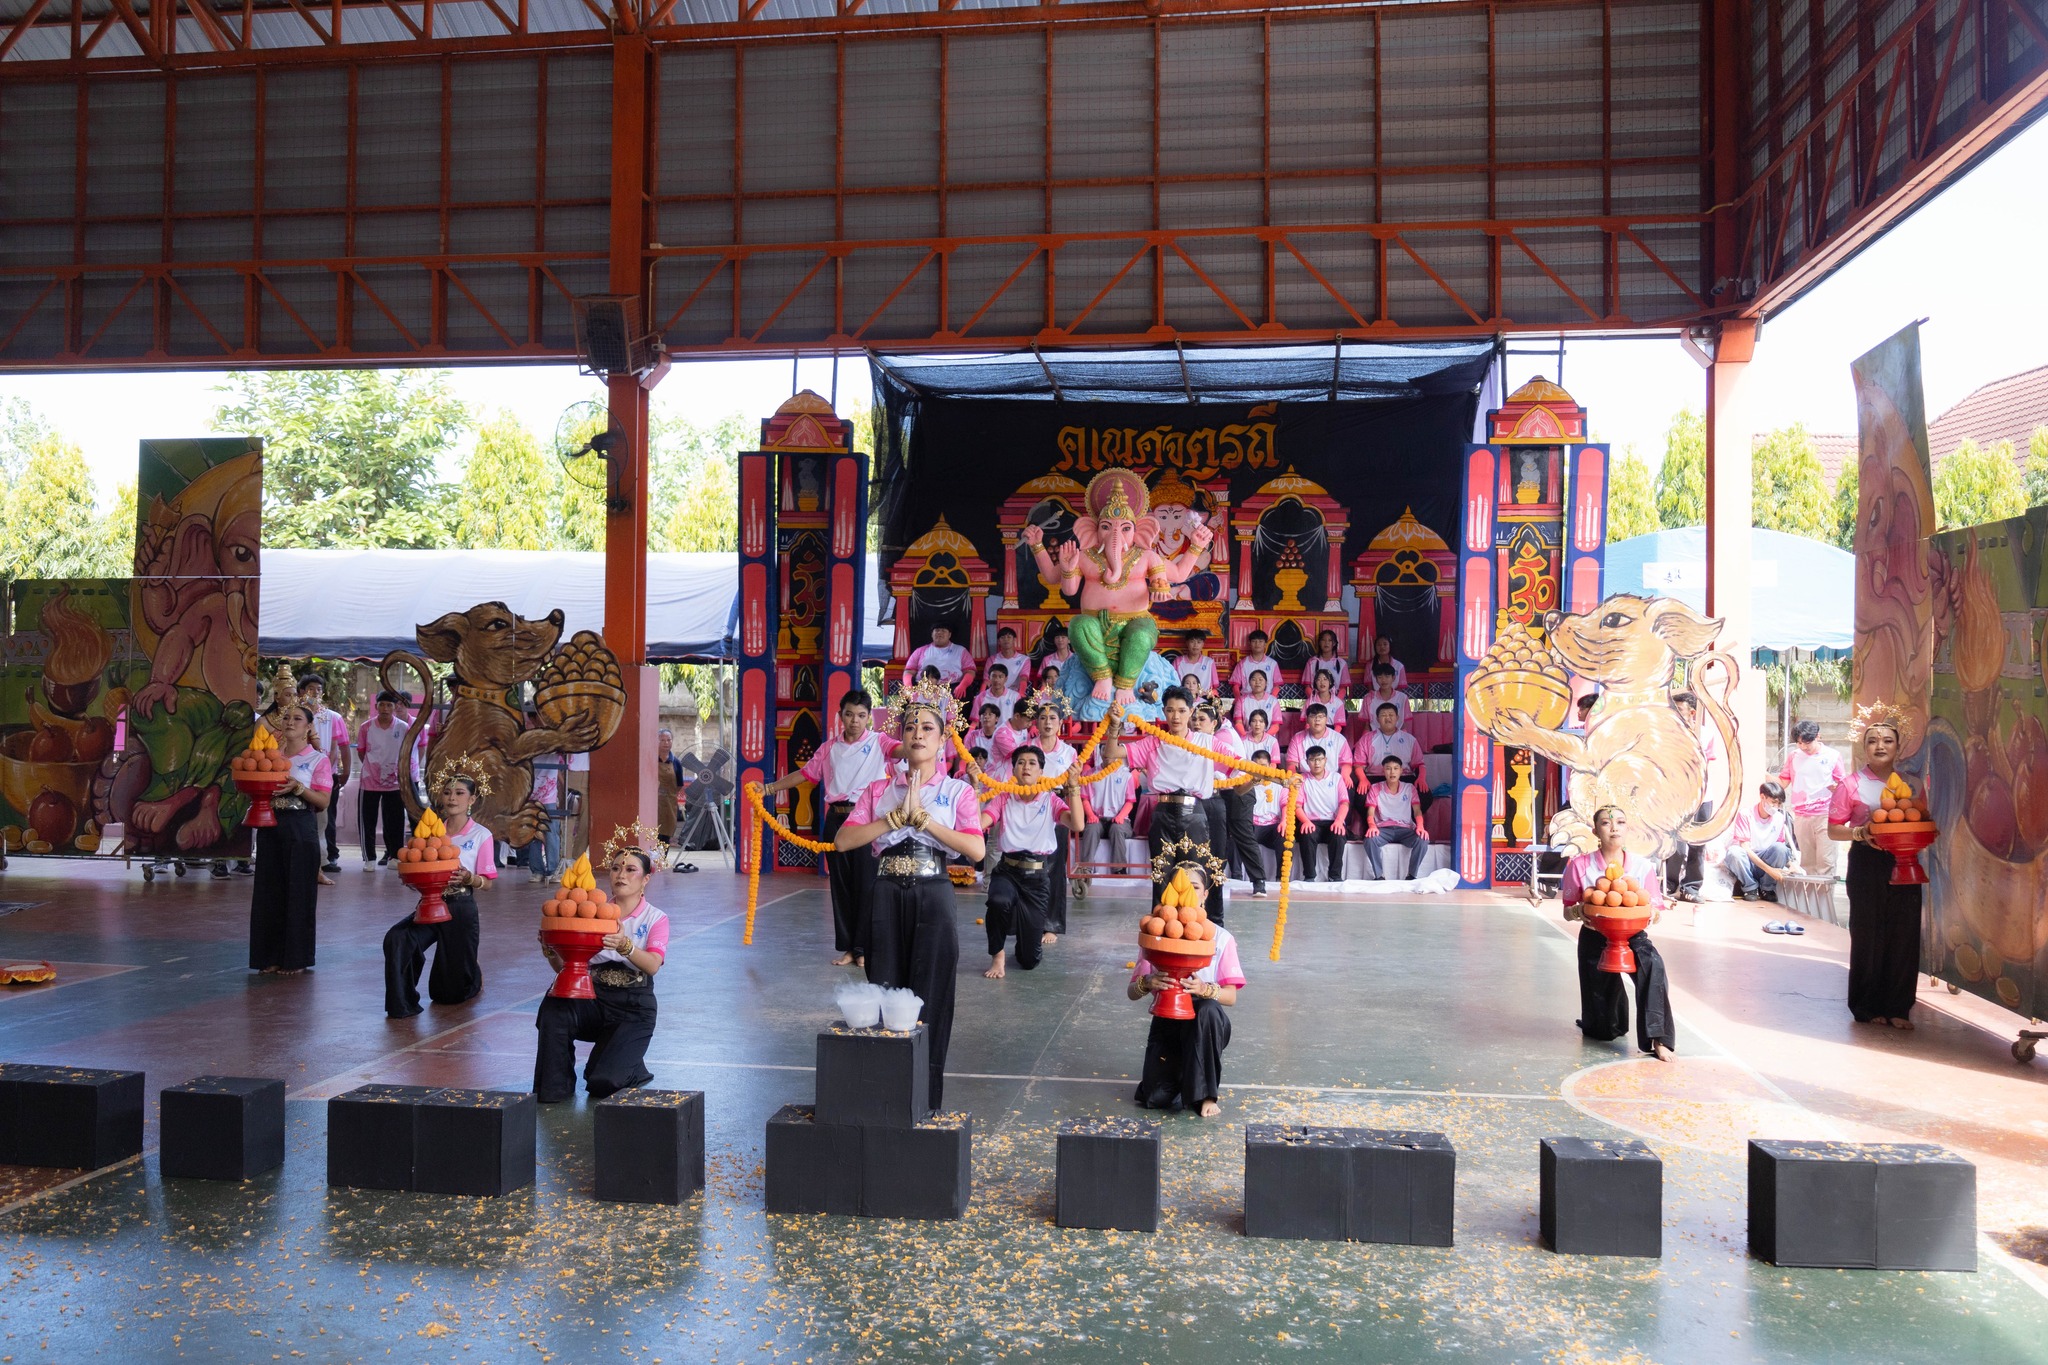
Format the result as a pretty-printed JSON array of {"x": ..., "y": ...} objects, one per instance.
[
  {"x": 981, "y": 740},
  {"x": 1393, "y": 815},
  {"x": 1383, "y": 653},
  {"x": 1324, "y": 806},
  {"x": 1016, "y": 667},
  {"x": 1327, "y": 695},
  {"x": 1319, "y": 733},
  {"x": 1109, "y": 804}
]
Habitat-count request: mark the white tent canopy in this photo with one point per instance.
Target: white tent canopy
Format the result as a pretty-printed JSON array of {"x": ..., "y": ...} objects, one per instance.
[{"x": 362, "y": 604}]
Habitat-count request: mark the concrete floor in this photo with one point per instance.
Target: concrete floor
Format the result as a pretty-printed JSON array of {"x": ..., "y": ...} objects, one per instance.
[{"x": 1448, "y": 1013}]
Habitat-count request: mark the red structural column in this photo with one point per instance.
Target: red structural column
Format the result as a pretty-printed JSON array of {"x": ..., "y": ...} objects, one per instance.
[{"x": 622, "y": 785}]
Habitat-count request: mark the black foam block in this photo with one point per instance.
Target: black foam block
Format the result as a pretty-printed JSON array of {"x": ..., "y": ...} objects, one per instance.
[
  {"x": 475, "y": 1142},
  {"x": 1349, "y": 1184},
  {"x": 650, "y": 1146},
  {"x": 371, "y": 1136},
  {"x": 1297, "y": 1181},
  {"x": 812, "y": 1167},
  {"x": 1601, "y": 1197},
  {"x": 1404, "y": 1187},
  {"x": 1109, "y": 1174},
  {"x": 1846, "y": 1205},
  {"x": 222, "y": 1127},
  {"x": 69, "y": 1116},
  {"x": 921, "y": 1172},
  {"x": 873, "y": 1077}
]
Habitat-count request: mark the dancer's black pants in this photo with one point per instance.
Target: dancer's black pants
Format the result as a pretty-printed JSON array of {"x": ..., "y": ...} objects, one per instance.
[
  {"x": 914, "y": 941},
  {"x": 1016, "y": 904},
  {"x": 1884, "y": 938},
  {"x": 1603, "y": 1003},
  {"x": 456, "y": 976},
  {"x": 284, "y": 895},
  {"x": 620, "y": 1021},
  {"x": 852, "y": 876},
  {"x": 1184, "y": 1058}
]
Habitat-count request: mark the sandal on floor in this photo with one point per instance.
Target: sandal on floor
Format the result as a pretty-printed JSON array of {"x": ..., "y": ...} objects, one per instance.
[
  {"x": 1794, "y": 929},
  {"x": 686, "y": 867},
  {"x": 1777, "y": 927}
]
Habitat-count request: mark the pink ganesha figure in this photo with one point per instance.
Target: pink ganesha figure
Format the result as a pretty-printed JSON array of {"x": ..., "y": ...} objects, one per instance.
[{"x": 1119, "y": 576}]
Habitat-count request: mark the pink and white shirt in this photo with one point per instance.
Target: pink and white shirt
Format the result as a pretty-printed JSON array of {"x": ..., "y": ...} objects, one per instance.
[
  {"x": 948, "y": 800},
  {"x": 1016, "y": 668},
  {"x": 1248, "y": 704},
  {"x": 329, "y": 731},
  {"x": 1374, "y": 700},
  {"x": 475, "y": 851},
  {"x": 383, "y": 752},
  {"x": 1004, "y": 701},
  {"x": 1853, "y": 800},
  {"x": 648, "y": 928},
  {"x": 1022, "y": 826},
  {"x": 1324, "y": 799},
  {"x": 1224, "y": 969},
  {"x": 1336, "y": 668},
  {"x": 1753, "y": 828},
  {"x": 955, "y": 665},
  {"x": 312, "y": 769},
  {"x": 1267, "y": 800},
  {"x": 1584, "y": 871},
  {"x": 1397, "y": 807},
  {"x": 1400, "y": 672},
  {"x": 1811, "y": 779},
  {"x": 1203, "y": 668},
  {"x": 1335, "y": 750},
  {"x": 1111, "y": 799},
  {"x": 1240, "y": 677},
  {"x": 842, "y": 771},
  {"x": 1377, "y": 747},
  {"x": 1172, "y": 770}
]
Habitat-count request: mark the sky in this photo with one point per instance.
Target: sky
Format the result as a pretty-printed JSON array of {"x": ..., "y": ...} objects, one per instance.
[{"x": 1970, "y": 262}]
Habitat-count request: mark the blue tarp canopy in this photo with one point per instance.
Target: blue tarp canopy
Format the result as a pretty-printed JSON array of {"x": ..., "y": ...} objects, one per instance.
[
  {"x": 1802, "y": 592},
  {"x": 1347, "y": 371}
]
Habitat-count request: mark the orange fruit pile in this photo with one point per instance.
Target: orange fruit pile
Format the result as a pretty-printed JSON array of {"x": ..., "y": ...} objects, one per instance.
[
  {"x": 1180, "y": 916},
  {"x": 430, "y": 849},
  {"x": 1898, "y": 805},
  {"x": 580, "y": 907},
  {"x": 1616, "y": 891},
  {"x": 262, "y": 758}
]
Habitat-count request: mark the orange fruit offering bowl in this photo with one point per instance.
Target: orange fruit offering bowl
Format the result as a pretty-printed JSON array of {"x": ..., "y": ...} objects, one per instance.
[
  {"x": 574, "y": 923},
  {"x": 427, "y": 863},
  {"x": 1176, "y": 937},
  {"x": 1617, "y": 909},
  {"x": 1901, "y": 828},
  {"x": 258, "y": 773}
]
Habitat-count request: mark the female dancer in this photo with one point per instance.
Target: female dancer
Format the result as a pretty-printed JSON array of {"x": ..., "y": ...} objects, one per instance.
[
  {"x": 284, "y": 895},
  {"x": 1884, "y": 920}
]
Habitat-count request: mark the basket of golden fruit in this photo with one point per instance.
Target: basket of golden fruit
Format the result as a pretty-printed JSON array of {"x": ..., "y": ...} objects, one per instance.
[
  {"x": 258, "y": 774},
  {"x": 1516, "y": 675},
  {"x": 574, "y": 923},
  {"x": 427, "y": 863},
  {"x": 1901, "y": 828},
  {"x": 1177, "y": 937},
  {"x": 582, "y": 677}
]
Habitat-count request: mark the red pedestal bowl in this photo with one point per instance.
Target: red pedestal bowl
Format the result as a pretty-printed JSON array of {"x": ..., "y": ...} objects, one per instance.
[
  {"x": 430, "y": 880},
  {"x": 1617, "y": 956},
  {"x": 259, "y": 788},
  {"x": 1181, "y": 958},
  {"x": 575, "y": 949},
  {"x": 1904, "y": 842}
]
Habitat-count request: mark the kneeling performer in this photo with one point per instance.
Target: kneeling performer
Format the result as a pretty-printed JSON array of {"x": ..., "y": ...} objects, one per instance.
[
  {"x": 1184, "y": 1057},
  {"x": 621, "y": 1019},
  {"x": 456, "y": 976},
  {"x": 914, "y": 819},
  {"x": 1603, "y": 1004},
  {"x": 1027, "y": 840}
]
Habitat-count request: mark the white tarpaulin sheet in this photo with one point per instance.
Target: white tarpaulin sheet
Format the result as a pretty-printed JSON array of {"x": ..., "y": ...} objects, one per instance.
[{"x": 362, "y": 604}]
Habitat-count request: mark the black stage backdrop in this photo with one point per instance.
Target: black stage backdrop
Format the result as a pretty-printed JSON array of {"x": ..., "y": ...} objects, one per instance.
[{"x": 965, "y": 457}]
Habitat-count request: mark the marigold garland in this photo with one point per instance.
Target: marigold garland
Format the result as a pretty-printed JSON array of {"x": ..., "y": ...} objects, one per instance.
[
  {"x": 762, "y": 816},
  {"x": 1028, "y": 790}
]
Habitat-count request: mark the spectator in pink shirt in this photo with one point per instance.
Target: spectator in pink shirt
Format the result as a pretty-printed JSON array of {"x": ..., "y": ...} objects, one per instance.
[
  {"x": 1811, "y": 773},
  {"x": 1255, "y": 660},
  {"x": 330, "y": 736},
  {"x": 1319, "y": 735},
  {"x": 1326, "y": 660},
  {"x": 1759, "y": 835},
  {"x": 1184, "y": 1057},
  {"x": 1393, "y": 815},
  {"x": 955, "y": 664},
  {"x": 380, "y": 742}
]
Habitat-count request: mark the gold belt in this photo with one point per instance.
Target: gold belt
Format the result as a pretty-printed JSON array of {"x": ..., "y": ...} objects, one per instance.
[
  {"x": 1023, "y": 862},
  {"x": 617, "y": 976},
  {"x": 1178, "y": 798},
  {"x": 912, "y": 865}
]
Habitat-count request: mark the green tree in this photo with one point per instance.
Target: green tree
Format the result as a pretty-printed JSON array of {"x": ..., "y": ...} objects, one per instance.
[
  {"x": 1682, "y": 478},
  {"x": 2037, "y": 467},
  {"x": 1631, "y": 498},
  {"x": 49, "y": 524},
  {"x": 1976, "y": 486},
  {"x": 506, "y": 498},
  {"x": 696, "y": 483},
  {"x": 1788, "y": 486},
  {"x": 1845, "y": 505},
  {"x": 349, "y": 455},
  {"x": 117, "y": 535}
]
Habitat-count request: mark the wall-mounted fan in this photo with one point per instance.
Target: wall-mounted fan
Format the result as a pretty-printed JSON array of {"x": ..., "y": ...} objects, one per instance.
[{"x": 584, "y": 439}]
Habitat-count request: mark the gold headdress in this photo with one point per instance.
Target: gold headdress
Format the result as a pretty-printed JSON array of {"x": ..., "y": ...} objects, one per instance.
[
  {"x": 1049, "y": 695},
  {"x": 1172, "y": 492},
  {"x": 925, "y": 694},
  {"x": 1185, "y": 852},
  {"x": 1880, "y": 713},
  {"x": 463, "y": 766},
  {"x": 635, "y": 836},
  {"x": 1117, "y": 493}
]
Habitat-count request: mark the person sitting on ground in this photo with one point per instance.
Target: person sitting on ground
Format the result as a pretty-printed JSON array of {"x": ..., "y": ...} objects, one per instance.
[
  {"x": 1323, "y": 806},
  {"x": 1760, "y": 837},
  {"x": 620, "y": 1020},
  {"x": 456, "y": 977},
  {"x": 1393, "y": 815},
  {"x": 1184, "y": 1057},
  {"x": 1024, "y": 831},
  {"x": 1603, "y": 1004}
]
